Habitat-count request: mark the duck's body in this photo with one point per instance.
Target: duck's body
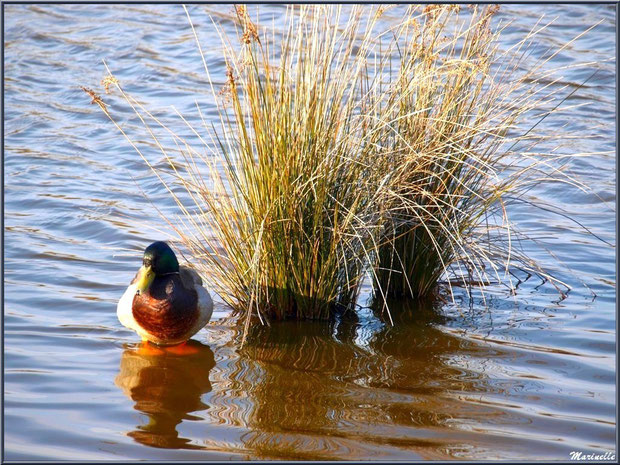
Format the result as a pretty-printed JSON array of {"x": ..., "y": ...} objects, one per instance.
[{"x": 165, "y": 303}]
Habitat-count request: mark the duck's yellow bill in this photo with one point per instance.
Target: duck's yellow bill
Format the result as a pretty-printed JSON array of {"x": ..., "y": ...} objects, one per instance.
[{"x": 146, "y": 278}]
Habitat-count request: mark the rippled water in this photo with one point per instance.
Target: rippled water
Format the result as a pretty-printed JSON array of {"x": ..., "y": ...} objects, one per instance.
[{"x": 528, "y": 377}]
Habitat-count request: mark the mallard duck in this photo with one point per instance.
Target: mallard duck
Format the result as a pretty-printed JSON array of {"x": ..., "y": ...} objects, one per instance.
[{"x": 165, "y": 303}]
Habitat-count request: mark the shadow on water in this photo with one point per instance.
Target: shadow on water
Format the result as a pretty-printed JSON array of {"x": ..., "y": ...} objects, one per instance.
[
  {"x": 167, "y": 387},
  {"x": 356, "y": 387}
]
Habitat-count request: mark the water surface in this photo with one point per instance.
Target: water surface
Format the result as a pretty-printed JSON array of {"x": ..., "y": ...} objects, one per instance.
[{"x": 524, "y": 377}]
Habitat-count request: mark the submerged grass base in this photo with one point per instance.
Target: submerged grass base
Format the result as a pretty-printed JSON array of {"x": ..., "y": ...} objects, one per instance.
[{"x": 410, "y": 265}]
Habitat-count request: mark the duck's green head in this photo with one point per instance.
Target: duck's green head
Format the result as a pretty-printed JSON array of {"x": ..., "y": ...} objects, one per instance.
[{"x": 158, "y": 260}]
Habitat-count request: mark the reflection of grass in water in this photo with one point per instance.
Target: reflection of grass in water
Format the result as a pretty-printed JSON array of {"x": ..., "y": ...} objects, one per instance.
[
  {"x": 349, "y": 148},
  {"x": 341, "y": 387},
  {"x": 166, "y": 387}
]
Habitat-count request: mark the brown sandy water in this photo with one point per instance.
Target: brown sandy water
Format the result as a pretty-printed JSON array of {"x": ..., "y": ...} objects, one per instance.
[{"x": 529, "y": 377}]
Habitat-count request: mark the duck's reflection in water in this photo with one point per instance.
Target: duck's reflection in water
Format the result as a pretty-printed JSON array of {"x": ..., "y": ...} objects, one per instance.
[{"x": 167, "y": 385}]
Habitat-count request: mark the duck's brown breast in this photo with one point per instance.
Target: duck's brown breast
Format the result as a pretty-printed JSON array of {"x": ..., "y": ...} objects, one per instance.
[{"x": 167, "y": 310}]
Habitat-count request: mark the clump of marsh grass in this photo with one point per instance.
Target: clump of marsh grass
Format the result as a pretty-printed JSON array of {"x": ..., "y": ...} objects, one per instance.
[
  {"x": 291, "y": 206},
  {"x": 457, "y": 152},
  {"x": 282, "y": 216},
  {"x": 342, "y": 150}
]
